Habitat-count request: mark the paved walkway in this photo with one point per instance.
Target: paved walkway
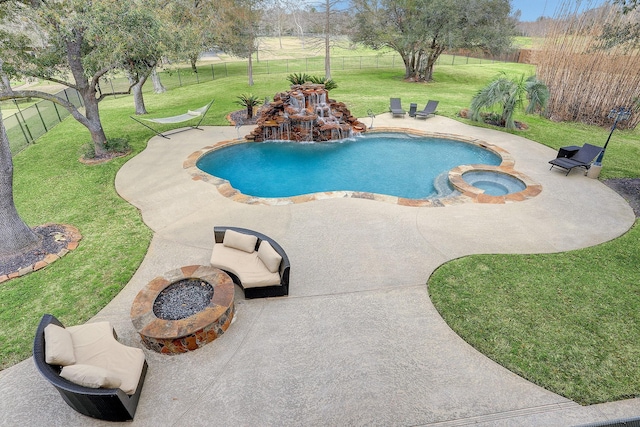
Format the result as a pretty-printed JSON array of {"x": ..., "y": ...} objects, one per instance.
[{"x": 357, "y": 341}]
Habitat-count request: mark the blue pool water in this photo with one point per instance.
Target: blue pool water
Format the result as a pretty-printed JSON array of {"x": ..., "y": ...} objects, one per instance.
[
  {"x": 394, "y": 164},
  {"x": 494, "y": 183}
]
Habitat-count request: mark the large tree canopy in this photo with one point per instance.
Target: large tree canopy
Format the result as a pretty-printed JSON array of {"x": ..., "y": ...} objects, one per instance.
[
  {"x": 421, "y": 30},
  {"x": 236, "y": 27},
  {"x": 74, "y": 43},
  {"x": 77, "y": 43}
]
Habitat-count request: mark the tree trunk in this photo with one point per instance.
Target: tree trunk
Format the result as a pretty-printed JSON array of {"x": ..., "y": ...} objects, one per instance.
[
  {"x": 327, "y": 41},
  {"x": 138, "y": 99},
  {"x": 93, "y": 121},
  {"x": 410, "y": 60},
  {"x": 193, "y": 59},
  {"x": 5, "y": 83},
  {"x": 15, "y": 235},
  {"x": 88, "y": 91},
  {"x": 158, "y": 87},
  {"x": 250, "y": 69}
]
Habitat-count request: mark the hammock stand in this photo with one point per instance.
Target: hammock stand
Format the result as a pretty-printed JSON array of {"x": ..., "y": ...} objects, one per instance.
[{"x": 200, "y": 112}]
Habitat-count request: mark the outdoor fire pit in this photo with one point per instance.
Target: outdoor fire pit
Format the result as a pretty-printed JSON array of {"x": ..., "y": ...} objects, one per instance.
[{"x": 184, "y": 309}]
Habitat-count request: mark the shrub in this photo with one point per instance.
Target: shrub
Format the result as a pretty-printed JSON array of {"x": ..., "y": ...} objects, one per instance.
[
  {"x": 301, "y": 78},
  {"x": 248, "y": 101}
]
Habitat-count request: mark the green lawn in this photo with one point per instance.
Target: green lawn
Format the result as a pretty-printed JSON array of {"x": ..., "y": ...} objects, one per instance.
[{"x": 566, "y": 321}]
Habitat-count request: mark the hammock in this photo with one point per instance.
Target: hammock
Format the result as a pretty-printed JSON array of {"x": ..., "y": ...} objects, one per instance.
[{"x": 200, "y": 112}]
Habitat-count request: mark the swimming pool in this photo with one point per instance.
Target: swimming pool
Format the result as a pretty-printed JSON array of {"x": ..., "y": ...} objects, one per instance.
[{"x": 395, "y": 164}]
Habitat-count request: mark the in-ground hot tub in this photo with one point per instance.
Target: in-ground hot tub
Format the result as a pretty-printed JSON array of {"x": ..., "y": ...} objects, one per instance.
[
  {"x": 494, "y": 183},
  {"x": 184, "y": 309}
]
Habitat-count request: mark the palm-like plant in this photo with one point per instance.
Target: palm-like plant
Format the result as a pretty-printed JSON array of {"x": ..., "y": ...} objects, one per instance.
[
  {"x": 298, "y": 78},
  {"x": 248, "y": 101},
  {"x": 301, "y": 78},
  {"x": 507, "y": 95}
]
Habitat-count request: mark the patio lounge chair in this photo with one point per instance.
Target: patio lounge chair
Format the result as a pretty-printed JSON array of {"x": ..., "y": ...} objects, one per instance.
[
  {"x": 582, "y": 158},
  {"x": 429, "y": 109},
  {"x": 396, "y": 107}
]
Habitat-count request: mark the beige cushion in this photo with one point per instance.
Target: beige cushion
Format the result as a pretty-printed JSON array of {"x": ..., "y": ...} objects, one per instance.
[
  {"x": 248, "y": 267},
  {"x": 94, "y": 344},
  {"x": 269, "y": 256},
  {"x": 90, "y": 376},
  {"x": 235, "y": 240},
  {"x": 58, "y": 348}
]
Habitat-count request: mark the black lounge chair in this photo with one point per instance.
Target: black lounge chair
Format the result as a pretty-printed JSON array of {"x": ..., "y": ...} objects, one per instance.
[
  {"x": 582, "y": 158},
  {"x": 396, "y": 107},
  {"x": 412, "y": 109},
  {"x": 110, "y": 404},
  {"x": 429, "y": 109}
]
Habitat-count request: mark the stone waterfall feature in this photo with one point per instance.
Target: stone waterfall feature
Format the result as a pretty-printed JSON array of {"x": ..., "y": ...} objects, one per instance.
[{"x": 305, "y": 113}]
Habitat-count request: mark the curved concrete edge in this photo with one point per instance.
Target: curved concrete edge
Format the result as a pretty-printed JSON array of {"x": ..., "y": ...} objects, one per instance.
[{"x": 358, "y": 340}]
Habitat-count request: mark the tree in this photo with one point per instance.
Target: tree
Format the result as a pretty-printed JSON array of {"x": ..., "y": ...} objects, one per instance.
[
  {"x": 191, "y": 30},
  {"x": 329, "y": 5},
  {"x": 15, "y": 235},
  {"x": 509, "y": 94},
  {"x": 76, "y": 43},
  {"x": 236, "y": 21},
  {"x": 624, "y": 29},
  {"x": 627, "y": 5},
  {"x": 421, "y": 30}
]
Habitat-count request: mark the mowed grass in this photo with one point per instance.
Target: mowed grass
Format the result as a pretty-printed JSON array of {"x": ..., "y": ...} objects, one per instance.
[
  {"x": 513, "y": 308},
  {"x": 567, "y": 322}
]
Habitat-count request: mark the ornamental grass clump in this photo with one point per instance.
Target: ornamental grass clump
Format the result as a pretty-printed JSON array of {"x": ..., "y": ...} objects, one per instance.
[{"x": 591, "y": 63}]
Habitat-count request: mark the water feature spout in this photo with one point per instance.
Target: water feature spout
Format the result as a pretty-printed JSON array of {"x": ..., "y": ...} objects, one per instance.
[{"x": 305, "y": 113}]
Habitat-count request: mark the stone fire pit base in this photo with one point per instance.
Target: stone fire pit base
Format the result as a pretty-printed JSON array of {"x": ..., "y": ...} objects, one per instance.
[{"x": 190, "y": 333}]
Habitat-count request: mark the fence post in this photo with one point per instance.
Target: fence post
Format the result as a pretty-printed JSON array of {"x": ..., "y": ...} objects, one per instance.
[
  {"x": 79, "y": 98},
  {"x": 26, "y": 138},
  {"x": 179, "y": 79},
  {"x": 226, "y": 73},
  {"x": 113, "y": 91},
  {"x": 197, "y": 77},
  {"x": 55, "y": 107},
  {"x": 213, "y": 73},
  {"x": 24, "y": 121},
  {"x": 453, "y": 59},
  {"x": 40, "y": 115}
]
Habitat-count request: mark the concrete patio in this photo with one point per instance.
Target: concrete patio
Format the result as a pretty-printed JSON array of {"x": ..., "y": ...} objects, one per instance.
[{"x": 357, "y": 341}]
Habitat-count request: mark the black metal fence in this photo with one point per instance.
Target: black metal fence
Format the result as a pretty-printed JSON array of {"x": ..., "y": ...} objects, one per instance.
[{"x": 29, "y": 124}]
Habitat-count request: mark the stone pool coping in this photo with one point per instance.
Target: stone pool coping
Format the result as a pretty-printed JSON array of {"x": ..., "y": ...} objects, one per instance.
[{"x": 467, "y": 193}]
